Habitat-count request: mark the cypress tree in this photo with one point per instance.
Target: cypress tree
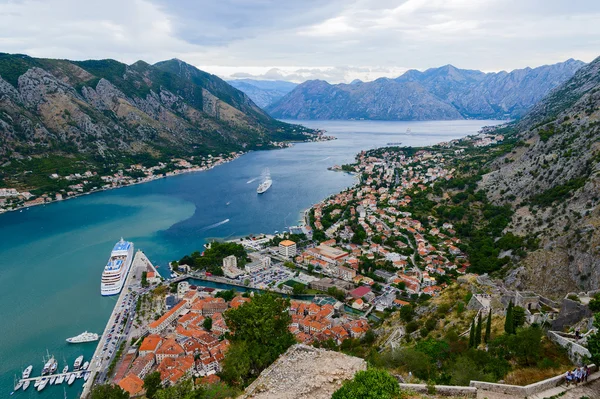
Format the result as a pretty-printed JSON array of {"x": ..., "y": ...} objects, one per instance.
[
  {"x": 509, "y": 324},
  {"x": 472, "y": 334},
  {"x": 478, "y": 332},
  {"x": 488, "y": 328}
]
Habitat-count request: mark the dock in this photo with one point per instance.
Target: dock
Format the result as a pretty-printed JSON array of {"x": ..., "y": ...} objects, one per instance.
[
  {"x": 99, "y": 362},
  {"x": 48, "y": 376}
]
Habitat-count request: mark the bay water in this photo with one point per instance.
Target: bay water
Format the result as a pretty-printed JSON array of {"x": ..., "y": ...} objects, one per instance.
[{"x": 52, "y": 256}]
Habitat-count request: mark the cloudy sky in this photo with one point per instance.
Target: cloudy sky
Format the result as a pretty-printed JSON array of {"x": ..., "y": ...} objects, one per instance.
[{"x": 335, "y": 40}]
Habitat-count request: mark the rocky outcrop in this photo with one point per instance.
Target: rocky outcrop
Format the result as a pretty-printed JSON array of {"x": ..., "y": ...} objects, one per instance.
[
  {"x": 305, "y": 372},
  {"x": 438, "y": 93}
]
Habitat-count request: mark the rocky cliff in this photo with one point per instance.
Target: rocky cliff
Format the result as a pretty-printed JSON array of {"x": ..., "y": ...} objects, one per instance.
[
  {"x": 553, "y": 182},
  {"x": 438, "y": 93},
  {"x": 107, "y": 110}
]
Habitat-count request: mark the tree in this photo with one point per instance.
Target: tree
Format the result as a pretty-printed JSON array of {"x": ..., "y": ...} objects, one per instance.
[
  {"x": 472, "y": 334},
  {"x": 518, "y": 315},
  {"x": 152, "y": 384},
  {"x": 478, "y": 331},
  {"x": 109, "y": 391},
  {"x": 299, "y": 289},
  {"x": 407, "y": 313},
  {"x": 369, "y": 384},
  {"x": 527, "y": 344},
  {"x": 259, "y": 331},
  {"x": 488, "y": 328},
  {"x": 509, "y": 324},
  {"x": 593, "y": 341},
  {"x": 207, "y": 324},
  {"x": 227, "y": 295}
]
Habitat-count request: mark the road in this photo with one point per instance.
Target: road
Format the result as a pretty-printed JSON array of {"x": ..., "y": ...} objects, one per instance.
[{"x": 118, "y": 325}]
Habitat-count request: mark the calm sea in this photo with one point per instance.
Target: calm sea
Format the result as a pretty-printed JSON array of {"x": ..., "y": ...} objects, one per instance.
[{"x": 51, "y": 257}]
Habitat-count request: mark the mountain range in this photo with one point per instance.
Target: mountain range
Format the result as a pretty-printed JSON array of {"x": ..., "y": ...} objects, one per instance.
[
  {"x": 552, "y": 181},
  {"x": 263, "y": 92},
  {"x": 107, "y": 111},
  {"x": 440, "y": 93}
]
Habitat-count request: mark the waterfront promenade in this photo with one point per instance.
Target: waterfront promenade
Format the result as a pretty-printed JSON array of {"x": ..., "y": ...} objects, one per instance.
[{"x": 100, "y": 362}]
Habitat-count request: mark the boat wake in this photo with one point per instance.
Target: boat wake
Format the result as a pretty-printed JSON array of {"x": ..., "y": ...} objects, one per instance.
[
  {"x": 212, "y": 226},
  {"x": 252, "y": 180}
]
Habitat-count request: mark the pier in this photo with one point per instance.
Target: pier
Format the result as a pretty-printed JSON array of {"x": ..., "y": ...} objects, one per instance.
[
  {"x": 48, "y": 376},
  {"x": 100, "y": 362}
]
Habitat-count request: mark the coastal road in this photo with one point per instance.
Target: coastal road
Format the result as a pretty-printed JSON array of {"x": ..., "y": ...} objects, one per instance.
[{"x": 100, "y": 362}]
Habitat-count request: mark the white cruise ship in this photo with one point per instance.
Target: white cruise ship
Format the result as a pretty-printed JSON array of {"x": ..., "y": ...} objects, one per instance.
[
  {"x": 266, "y": 184},
  {"x": 117, "y": 268}
]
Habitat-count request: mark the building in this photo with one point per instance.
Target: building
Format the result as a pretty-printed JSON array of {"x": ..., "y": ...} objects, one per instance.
[
  {"x": 230, "y": 261},
  {"x": 232, "y": 271},
  {"x": 169, "y": 348},
  {"x": 132, "y": 384},
  {"x": 287, "y": 248},
  {"x": 150, "y": 344},
  {"x": 262, "y": 264},
  {"x": 331, "y": 255},
  {"x": 157, "y": 326},
  {"x": 142, "y": 365}
]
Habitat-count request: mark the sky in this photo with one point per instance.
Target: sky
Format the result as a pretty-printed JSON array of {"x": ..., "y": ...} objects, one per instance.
[{"x": 334, "y": 40}]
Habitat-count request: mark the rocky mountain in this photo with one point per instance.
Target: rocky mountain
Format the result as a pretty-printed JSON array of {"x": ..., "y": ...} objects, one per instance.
[
  {"x": 438, "y": 93},
  {"x": 263, "y": 92},
  {"x": 104, "y": 110},
  {"x": 552, "y": 180}
]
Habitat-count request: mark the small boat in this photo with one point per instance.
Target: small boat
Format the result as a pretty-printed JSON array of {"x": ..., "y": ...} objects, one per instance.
[
  {"x": 37, "y": 383},
  {"x": 77, "y": 363},
  {"x": 43, "y": 383},
  {"x": 71, "y": 379},
  {"x": 26, "y": 385},
  {"x": 80, "y": 374},
  {"x": 65, "y": 369},
  {"x": 27, "y": 371},
  {"x": 86, "y": 376},
  {"x": 86, "y": 365},
  {"x": 52, "y": 380},
  {"x": 60, "y": 379},
  {"x": 19, "y": 385}
]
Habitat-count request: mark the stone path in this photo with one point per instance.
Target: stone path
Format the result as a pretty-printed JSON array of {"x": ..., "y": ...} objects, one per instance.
[{"x": 591, "y": 390}]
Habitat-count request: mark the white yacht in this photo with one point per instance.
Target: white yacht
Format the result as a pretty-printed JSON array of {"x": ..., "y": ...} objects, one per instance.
[
  {"x": 60, "y": 379},
  {"x": 42, "y": 385},
  {"x": 27, "y": 371},
  {"x": 52, "y": 380},
  {"x": 26, "y": 384},
  {"x": 117, "y": 268},
  {"x": 71, "y": 379},
  {"x": 83, "y": 337},
  {"x": 266, "y": 184},
  {"x": 78, "y": 363},
  {"x": 18, "y": 386},
  {"x": 50, "y": 366},
  {"x": 86, "y": 365}
]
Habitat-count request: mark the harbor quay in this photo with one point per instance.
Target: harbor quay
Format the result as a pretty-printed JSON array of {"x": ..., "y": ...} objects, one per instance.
[{"x": 118, "y": 326}]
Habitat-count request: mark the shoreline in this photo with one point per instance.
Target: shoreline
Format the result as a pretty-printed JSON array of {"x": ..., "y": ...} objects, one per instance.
[{"x": 180, "y": 172}]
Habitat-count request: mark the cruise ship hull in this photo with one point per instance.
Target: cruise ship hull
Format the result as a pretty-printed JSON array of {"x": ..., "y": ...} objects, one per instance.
[{"x": 113, "y": 280}]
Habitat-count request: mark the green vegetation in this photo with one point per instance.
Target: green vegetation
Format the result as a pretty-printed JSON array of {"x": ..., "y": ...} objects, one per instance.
[
  {"x": 259, "y": 334},
  {"x": 558, "y": 193},
  {"x": 152, "y": 384},
  {"x": 109, "y": 391},
  {"x": 369, "y": 384},
  {"x": 212, "y": 259},
  {"x": 207, "y": 324}
]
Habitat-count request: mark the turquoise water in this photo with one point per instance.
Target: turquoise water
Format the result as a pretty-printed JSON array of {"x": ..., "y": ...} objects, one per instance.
[{"x": 51, "y": 257}]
